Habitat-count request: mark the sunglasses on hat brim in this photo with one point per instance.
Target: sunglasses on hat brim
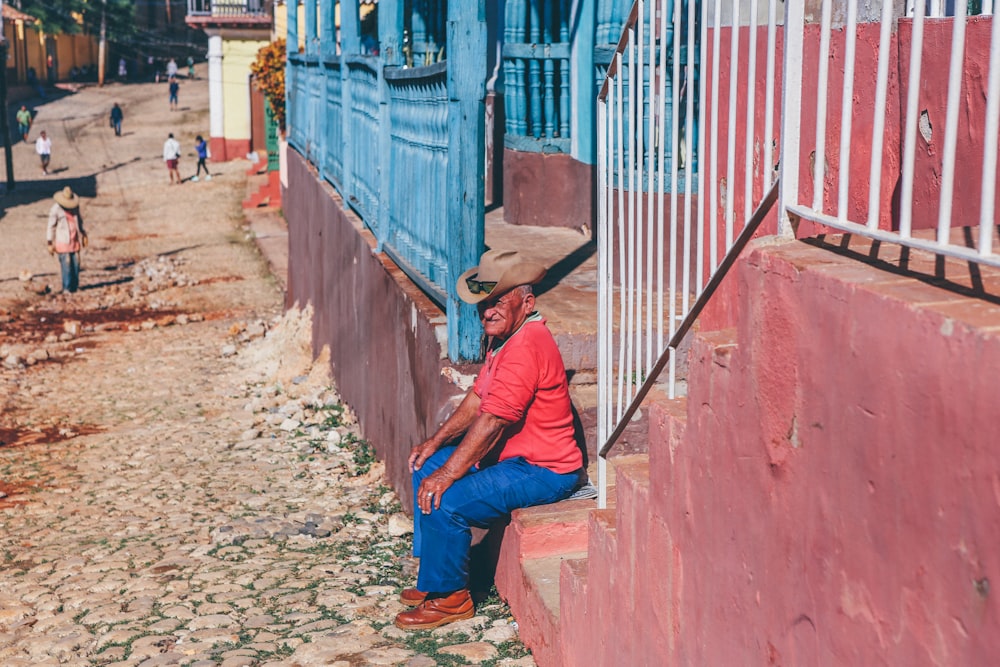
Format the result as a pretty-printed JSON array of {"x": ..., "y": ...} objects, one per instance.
[{"x": 480, "y": 286}]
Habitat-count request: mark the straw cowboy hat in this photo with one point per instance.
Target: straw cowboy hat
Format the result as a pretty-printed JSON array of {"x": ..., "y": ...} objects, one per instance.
[
  {"x": 499, "y": 271},
  {"x": 67, "y": 198}
]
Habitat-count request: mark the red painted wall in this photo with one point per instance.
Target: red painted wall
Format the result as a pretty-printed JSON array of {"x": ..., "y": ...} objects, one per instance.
[
  {"x": 834, "y": 501},
  {"x": 363, "y": 302},
  {"x": 827, "y": 494},
  {"x": 933, "y": 98},
  {"x": 934, "y": 79}
]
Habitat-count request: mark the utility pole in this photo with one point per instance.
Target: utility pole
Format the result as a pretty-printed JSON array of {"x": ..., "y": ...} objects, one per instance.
[
  {"x": 101, "y": 53},
  {"x": 4, "y": 129}
]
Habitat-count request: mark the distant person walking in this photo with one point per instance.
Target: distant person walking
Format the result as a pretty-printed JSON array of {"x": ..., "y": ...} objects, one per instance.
[
  {"x": 122, "y": 69},
  {"x": 190, "y": 62},
  {"x": 171, "y": 68},
  {"x": 116, "y": 119},
  {"x": 172, "y": 156},
  {"x": 174, "y": 87},
  {"x": 43, "y": 146},
  {"x": 201, "y": 147},
  {"x": 64, "y": 236},
  {"x": 23, "y": 122}
]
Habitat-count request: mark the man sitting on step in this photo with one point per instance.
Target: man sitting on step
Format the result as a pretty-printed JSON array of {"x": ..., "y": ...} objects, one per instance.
[{"x": 516, "y": 443}]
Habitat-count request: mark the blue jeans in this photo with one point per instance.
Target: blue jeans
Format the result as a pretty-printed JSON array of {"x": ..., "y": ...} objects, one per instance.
[
  {"x": 442, "y": 539},
  {"x": 69, "y": 262}
]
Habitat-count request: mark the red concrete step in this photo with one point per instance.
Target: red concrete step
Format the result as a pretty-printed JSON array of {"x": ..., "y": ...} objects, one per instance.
[{"x": 539, "y": 614}]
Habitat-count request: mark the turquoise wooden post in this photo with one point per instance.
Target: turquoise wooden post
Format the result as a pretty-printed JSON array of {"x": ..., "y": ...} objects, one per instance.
[
  {"x": 292, "y": 39},
  {"x": 328, "y": 30},
  {"x": 310, "y": 28},
  {"x": 349, "y": 43},
  {"x": 390, "y": 37},
  {"x": 583, "y": 128},
  {"x": 291, "y": 66},
  {"x": 466, "y": 40}
]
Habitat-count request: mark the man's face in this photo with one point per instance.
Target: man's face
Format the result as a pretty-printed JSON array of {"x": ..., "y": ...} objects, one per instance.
[{"x": 502, "y": 316}]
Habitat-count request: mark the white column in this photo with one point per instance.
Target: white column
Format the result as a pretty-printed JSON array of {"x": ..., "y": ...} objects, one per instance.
[{"x": 216, "y": 102}]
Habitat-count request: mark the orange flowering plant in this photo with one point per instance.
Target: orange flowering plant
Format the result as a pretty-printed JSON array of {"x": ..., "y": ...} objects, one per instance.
[{"x": 269, "y": 74}]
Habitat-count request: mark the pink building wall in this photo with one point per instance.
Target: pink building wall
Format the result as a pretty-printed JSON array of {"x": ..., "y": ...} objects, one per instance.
[{"x": 929, "y": 155}]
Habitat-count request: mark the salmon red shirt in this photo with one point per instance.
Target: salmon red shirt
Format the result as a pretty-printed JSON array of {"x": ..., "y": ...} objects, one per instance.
[{"x": 524, "y": 381}]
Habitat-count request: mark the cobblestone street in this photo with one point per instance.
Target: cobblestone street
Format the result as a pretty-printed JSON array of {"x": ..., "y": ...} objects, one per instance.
[{"x": 179, "y": 483}]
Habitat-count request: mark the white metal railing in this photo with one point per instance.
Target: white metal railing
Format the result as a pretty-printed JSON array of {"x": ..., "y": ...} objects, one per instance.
[
  {"x": 673, "y": 201},
  {"x": 863, "y": 201},
  {"x": 680, "y": 192}
]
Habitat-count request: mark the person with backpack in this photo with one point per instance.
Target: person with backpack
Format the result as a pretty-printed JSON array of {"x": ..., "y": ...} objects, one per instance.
[{"x": 65, "y": 236}]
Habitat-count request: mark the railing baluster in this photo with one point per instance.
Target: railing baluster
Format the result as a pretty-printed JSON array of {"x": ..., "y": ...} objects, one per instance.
[
  {"x": 768, "y": 161},
  {"x": 881, "y": 93},
  {"x": 987, "y": 199},
  {"x": 713, "y": 152},
  {"x": 535, "y": 71},
  {"x": 548, "y": 72},
  {"x": 951, "y": 123},
  {"x": 751, "y": 135},
  {"x": 847, "y": 109},
  {"x": 734, "y": 73},
  {"x": 910, "y": 133},
  {"x": 819, "y": 160}
]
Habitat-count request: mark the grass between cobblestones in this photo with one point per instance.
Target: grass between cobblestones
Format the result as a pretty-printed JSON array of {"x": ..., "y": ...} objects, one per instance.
[{"x": 374, "y": 559}]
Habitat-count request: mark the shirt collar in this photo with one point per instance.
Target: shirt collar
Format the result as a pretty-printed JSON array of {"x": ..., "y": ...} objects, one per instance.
[{"x": 533, "y": 317}]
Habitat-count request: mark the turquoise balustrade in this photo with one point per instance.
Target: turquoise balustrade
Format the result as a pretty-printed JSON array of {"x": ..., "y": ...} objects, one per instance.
[
  {"x": 363, "y": 124},
  {"x": 333, "y": 159},
  {"x": 404, "y": 146},
  {"x": 418, "y": 165},
  {"x": 536, "y": 70}
]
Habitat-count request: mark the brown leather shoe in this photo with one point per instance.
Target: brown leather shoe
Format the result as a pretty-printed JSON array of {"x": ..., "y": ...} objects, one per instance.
[
  {"x": 411, "y": 597},
  {"x": 435, "y": 612}
]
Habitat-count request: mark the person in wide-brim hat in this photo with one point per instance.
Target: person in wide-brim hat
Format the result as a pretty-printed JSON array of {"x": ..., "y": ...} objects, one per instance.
[
  {"x": 65, "y": 236},
  {"x": 509, "y": 444},
  {"x": 67, "y": 198},
  {"x": 499, "y": 271}
]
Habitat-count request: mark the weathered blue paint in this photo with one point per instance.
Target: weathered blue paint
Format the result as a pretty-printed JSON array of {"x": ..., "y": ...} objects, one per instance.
[
  {"x": 466, "y": 178},
  {"x": 327, "y": 37},
  {"x": 363, "y": 116},
  {"x": 391, "y": 37},
  {"x": 404, "y": 147},
  {"x": 333, "y": 155},
  {"x": 418, "y": 159},
  {"x": 312, "y": 45},
  {"x": 539, "y": 87},
  {"x": 583, "y": 128}
]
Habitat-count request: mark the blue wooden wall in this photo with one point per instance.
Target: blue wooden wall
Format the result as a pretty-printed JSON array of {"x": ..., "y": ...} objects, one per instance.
[{"x": 402, "y": 144}]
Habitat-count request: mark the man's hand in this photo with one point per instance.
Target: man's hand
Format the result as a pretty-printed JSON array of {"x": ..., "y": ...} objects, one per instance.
[
  {"x": 421, "y": 453},
  {"x": 432, "y": 488},
  {"x": 85, "y": 240},
  {"x": 52, "y": 249}
]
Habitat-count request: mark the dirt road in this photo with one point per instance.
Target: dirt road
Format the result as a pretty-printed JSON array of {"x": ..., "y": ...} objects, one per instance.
[{"x": 178, "y": 481}]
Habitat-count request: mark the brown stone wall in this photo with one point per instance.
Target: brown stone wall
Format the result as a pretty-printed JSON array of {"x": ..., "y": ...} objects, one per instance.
[
  {"x": 547, "y": 189},
  {"x": 384, "y": 353}
]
